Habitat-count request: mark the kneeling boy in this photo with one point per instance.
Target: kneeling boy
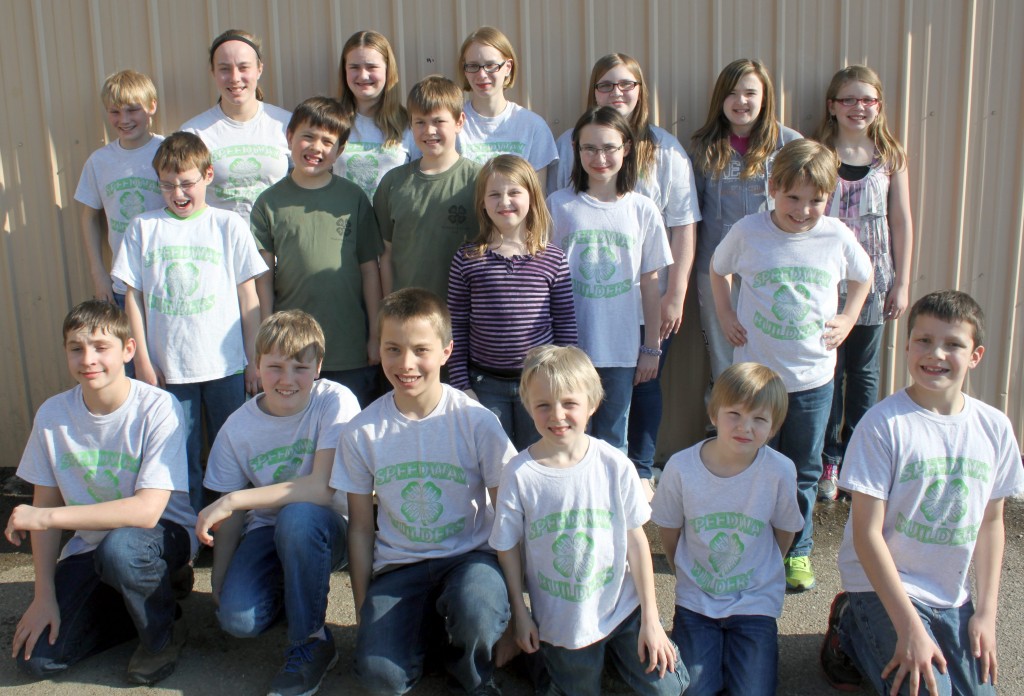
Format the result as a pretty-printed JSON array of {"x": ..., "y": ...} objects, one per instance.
[
  {"x": 282, "y": 445},
  {"x": 432, "y": 455},
  {"x": 928, "y": 468},
  {"x": 108, "y": 461}
]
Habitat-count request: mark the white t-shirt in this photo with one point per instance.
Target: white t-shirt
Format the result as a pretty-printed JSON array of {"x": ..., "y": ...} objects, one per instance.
[
  {"x": 431, "y": 476},
  {"x": 608, "y": 247},
  {"x": 365, "y": 159},
  {"x": 123, "y": 184},
  {"x": 936, "y": 473},
  {"x": 727, "y": 561},
  {"x": 256, "y": 448},
  {"x": 248, "y": 156},
  {"x": 572, "y": 525},
  {"x": 189, "y": 272},
  {"x": 670, "y": 184},
  {"x": 515, "y": 131},
  {"x": 96, "y": 458},
  {"x": 790, "y": 289}
]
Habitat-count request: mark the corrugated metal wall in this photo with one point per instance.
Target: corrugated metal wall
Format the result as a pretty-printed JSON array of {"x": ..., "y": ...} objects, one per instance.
[{"x": 951, "y": 69}]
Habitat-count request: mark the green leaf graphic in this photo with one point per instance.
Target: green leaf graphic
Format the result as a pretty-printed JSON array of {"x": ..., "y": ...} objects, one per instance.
[
  {"x": 597, "y": 263},
  {"x": 421, "y": 503},
  {"x": 182, "y": 279},
  {"x": 573, "y": 557},
  {"x": 945, "y": 502},
  {"x": 790, "y": 304},
  {"x": 726, "y": 552}
]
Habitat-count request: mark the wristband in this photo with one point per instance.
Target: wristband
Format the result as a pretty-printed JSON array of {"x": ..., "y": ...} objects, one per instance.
[{"x": 656, "y": 352}]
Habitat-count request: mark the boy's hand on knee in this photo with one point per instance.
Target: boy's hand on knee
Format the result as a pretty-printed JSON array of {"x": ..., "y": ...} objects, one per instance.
[
  {"x": 655, "y": 648},
  {"x": 913, "y": 658},
  {"x": 41, "y": 613},
  {"x": 982, "y": 632}
]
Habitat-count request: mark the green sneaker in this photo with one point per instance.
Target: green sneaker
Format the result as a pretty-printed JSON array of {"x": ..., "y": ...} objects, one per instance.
[{"x": 799, "y": 574}]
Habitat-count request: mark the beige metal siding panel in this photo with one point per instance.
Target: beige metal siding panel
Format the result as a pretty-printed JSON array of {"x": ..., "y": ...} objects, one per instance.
[{"x": 951, "y": 71}]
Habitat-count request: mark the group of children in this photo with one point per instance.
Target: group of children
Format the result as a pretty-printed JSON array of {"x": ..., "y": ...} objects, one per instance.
[{"x": 292, "y": 286}]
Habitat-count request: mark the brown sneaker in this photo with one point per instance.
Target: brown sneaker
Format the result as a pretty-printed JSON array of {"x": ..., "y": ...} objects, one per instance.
[
  {"x": 149, "y": 668},
  {"x": 182, "y": 581}
]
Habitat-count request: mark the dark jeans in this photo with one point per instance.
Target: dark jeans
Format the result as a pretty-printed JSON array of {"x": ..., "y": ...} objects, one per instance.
[
  {"x": 645, "y": 416},
  {"x": 111, "y": 594},
  {"x": 858, "y": 369}
]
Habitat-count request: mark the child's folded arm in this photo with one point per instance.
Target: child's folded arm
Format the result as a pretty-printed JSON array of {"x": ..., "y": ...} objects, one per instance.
[
  {"x": 142, "y": 509},
  {"x": 988, "y": 562},
  {"x": 915, "y": 650}
]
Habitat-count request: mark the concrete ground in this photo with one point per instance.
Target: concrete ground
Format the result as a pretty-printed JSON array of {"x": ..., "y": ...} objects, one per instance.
[{"x": 214, "y": 663}]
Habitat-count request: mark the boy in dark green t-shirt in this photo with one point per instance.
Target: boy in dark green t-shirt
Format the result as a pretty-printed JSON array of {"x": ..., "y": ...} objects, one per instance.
[{"x": 322, "y": 231}]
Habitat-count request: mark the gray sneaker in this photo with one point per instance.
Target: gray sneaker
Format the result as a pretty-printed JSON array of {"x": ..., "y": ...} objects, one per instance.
[
  {"x": 305, "y": 666},
  {"x": 148, "y": 668}
]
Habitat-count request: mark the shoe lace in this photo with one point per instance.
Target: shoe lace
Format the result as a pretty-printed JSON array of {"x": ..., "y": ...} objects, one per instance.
[
  {"x": 298, "y": 655},
  {"x": 800, "y": 562}
]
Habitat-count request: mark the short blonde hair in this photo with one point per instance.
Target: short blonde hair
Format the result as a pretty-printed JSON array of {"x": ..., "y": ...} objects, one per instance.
[
  {"x": 128, "y": 87},
  {"x": 567, "y": 369},
  {"x": 433, "y": 93},
  {"x": 805, "y": 161},
  {"x": 489, "y": 36},
  {"x": 754, "y": 386},
  {"x": 292, "y": 333},
  {"x": 180, "y": 152}
]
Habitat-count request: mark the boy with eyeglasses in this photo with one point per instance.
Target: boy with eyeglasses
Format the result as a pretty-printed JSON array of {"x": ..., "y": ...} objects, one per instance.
[{"x": 190, "y": 270}]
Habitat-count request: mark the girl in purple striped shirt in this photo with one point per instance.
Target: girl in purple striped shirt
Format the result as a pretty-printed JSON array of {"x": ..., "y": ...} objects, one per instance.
[{"x": 508, "y": 291}]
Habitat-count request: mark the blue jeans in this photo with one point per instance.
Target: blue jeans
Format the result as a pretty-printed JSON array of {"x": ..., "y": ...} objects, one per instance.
[
  {"x": 801, "y": 438},
  {"x": 857, "y": 360},
  {"x": 610, "y": 421},
  {"x": 501, "y": 397},
  {"x": 111, "y": 594},
  {"x": 361, "y": 381},
  {"x": 460, "y": 603},
  {"x": 645, "y": 416},
  {"x": 287, "y": 564},
  {"x": 129, "y": 367},
  {"x": 578, "y": 672},
  {"x": 867, "y": 635},
  {"x": 220, "y": 398},
  {"x": 733, "y": 655}
]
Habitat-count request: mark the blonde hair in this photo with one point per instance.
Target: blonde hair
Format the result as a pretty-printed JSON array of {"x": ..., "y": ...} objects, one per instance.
[
  {"x": 711, "y": 148},
  {"x": 639, "y": 120},
  {"x": 754, "y": 386},
  {"x": 567, "y": 369},
  {"x": 180, "y": 152},
  {"x": 538, "y": 219},
  {"x": 292, "y": 333},
  {"x": 433, "y": 93},
  {"x": 489, "y": 36},
  {"x": 890, "y": 151},
  {"x": 128, "y": 87},
  {"x": 390, "y": 116},
  {"x": 245, "y": 37},
  {"x": 805, "y": 160}
]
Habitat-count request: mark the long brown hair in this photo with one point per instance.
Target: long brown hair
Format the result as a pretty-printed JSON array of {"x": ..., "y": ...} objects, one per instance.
[
  {"x": 639, "y": 121},
  {"x": 890, "y": 151},
  {"x": 711, "y": 148},
  {"x": 391, "y": 117}
]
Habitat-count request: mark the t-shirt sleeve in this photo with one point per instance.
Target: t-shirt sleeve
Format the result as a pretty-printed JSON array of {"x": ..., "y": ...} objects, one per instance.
[
  {"x": 509, "y": 516},
  {"x": 225, "y": 468},
  {"x": 88, "y": 191},
  {"x": 493, "y": 448},
  {"x": 542, "y": 143},
  {"x": 369, "y": 245},
  {"x": 858, "y": 263},
  {"x": 726, "y": 257},
  {"x": 870, "y": 462},
  {"x": 678, "y": 184},
  {"x": 667, "y": 506},
  {"x": 342, "y": 406},
  {"x": 245, "y": 256},
  {"x": 1009, "y": 474},
  {"x": 636, "y": 511},
  {"x": 37, "y": 463},
  {"x": 382, "y": 205},
  {"x": 164, "y": 462},
  {"x": 656, "y": 250},
  {"x": 261, "y": 224},
  {"x": 351, "y": 472},
  {"x": 127, "y": 263}
]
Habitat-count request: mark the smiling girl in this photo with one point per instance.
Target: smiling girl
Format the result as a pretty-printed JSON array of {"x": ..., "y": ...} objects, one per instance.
[
  {"x": 379, "y": 140},
  {"x": 508, "y": 291},
  {"x": 246, "y": 137}
]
